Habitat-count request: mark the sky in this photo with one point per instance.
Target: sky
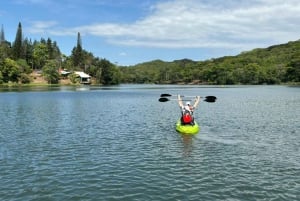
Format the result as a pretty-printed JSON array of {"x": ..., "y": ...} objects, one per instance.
[{"x": 129, "y": 32}]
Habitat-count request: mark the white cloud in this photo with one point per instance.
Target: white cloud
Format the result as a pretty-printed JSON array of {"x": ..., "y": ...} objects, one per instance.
[
  {"x": 123, "y": 54},
  {"x": 41, "y": 26},
  {"x": 194, "y": 24}
]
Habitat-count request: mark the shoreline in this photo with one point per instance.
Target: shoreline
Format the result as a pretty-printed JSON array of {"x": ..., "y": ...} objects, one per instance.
[
  {"x": 40, "y": 84},
  {"x": 39, "y": 81}
]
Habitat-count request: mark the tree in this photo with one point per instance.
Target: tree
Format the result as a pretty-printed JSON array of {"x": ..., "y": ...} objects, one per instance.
[
  {"x": 52, "y": 49},
  {"x": 108, "y": 73},
  {"x": 56, "y": 54},
  {"x": 2, "y": 36},
  {"x": 251, "y": 75},
  {"x": 17, "y": 47},
  {"x": 10, "y": 70},
  {"x": 77, "y": 53},
  {"x": 50, "y": 72},
  {"x": 5, "y": 51},
  {"x": 293, "y": 70},
  {"x": 23, "y": 66},
  {"x": 40, "y": 55},
  {"x": 1, "y": 78},
  {"x": 24, "y": 78},
  {"x": 28, "y": 50}
]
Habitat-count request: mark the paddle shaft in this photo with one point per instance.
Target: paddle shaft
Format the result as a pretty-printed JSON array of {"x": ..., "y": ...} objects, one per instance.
[
  {"x": 209, "y": 99},
  {"x": 168, "y": 95}
]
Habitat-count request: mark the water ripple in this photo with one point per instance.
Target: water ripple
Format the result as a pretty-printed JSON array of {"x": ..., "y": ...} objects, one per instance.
[{"x": 122, "y": 145}]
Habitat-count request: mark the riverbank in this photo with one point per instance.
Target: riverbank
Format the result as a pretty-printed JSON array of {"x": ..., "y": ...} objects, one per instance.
[{"x": 37, "y": 79}]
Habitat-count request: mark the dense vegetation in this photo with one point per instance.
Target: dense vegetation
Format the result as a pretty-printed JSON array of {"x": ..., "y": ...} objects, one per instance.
[
  {"x": 19, "y": 58},
  {"x": 273, "y": 65}
]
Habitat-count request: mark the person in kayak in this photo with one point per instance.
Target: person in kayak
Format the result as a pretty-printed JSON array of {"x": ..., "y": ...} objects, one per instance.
[{"x": 187, "y": 110}]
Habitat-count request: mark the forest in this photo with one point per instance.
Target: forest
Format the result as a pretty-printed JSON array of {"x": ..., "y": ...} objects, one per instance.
[
  {"x": 18, "y": 59},
  {"x": 277, "y": 64}
]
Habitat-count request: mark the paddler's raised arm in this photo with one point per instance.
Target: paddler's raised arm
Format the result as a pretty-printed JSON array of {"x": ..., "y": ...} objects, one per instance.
[
  {"x": 179, "y": 101},
  {"x": 197, "y": 100}
]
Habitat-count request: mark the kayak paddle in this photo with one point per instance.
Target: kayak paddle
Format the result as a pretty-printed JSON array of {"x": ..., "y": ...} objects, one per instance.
[
  {"x": 165, "y": 95},
  {"x": 168, "y": 95},
  {"x": 209, "y": 99},
  {"x": 164, "y": 99}
]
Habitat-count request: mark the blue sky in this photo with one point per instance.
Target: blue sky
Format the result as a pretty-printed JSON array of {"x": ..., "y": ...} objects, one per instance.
[{"x": 128, "y": 32}]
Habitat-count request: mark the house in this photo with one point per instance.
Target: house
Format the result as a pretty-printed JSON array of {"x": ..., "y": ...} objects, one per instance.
[
  {"x": 64, "y": 73},
  {"x": 84, "y": 78}
]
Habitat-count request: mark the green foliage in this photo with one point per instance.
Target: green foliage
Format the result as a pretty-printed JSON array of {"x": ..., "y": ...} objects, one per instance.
[
  {"x": 39, "y": 52},
  {"x": 50, "y": 72},
  {"x": 73, "y": 78},
  {"x": 108, "y": 73},
  {"x": 24, "y": 78},
  {"x": 10, "y": 70},
  {"x": 5, "y": 50},
  {"x": 15, "y": 71},
  {"x": 5, "y": 46},
  {"x": 17, "y": 47},
  {"x": 28, "y": 51},
  {"x": 272, "y": 65},
  {"x": 293, "y": 70},
  {"x": 1, "y": 78},
  {"x": 24, "y": 67},
  {"x": 18, "y": 61},
  {"x": 2, "y": 35},
  {"x": 78, "y": 53},
  {"x": 40, "y": 55}
]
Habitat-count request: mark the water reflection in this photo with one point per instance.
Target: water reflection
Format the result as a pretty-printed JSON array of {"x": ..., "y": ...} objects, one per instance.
[
  {"x": 187, "y": 144},
  {"x": 64, "y": 141}
]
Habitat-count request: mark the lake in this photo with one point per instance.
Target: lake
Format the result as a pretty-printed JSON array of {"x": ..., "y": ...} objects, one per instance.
[{"x": 119, "y": 143}]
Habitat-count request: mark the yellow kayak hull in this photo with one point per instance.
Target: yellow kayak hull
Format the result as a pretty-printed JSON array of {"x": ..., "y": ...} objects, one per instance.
[{"x": 187, "y": 128}]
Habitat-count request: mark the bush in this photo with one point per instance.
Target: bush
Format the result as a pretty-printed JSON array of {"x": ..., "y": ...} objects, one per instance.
[
  {"x": 24, "y": 78},
  {"x": 1, "y": 78},
  {"x": 73, "y": 78},
  {"x": 50, "y": 72}
]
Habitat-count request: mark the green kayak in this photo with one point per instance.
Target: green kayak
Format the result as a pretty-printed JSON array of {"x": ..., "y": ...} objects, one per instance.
[{"x": 187, "y": 128}]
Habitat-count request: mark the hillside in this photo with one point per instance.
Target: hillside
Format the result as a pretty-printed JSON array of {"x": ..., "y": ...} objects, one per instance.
[
  {"x": 272, "y": 65},
  {"x": 38, "y": 79}
]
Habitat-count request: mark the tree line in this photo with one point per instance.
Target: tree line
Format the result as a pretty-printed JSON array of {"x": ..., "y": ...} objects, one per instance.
[
  {"x": 22, "y": 56},
  {"x": 273, "y": 65}
]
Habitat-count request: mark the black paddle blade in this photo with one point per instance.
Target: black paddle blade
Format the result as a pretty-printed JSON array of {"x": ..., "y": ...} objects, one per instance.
[
  {"x": 210, "y": 99},
  {"x": 165, "y": 95},
  {"x": 163, "y": 99}
]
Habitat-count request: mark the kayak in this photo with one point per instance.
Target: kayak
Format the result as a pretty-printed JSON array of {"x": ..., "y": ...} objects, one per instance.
[{"x": 187, "y": 128}]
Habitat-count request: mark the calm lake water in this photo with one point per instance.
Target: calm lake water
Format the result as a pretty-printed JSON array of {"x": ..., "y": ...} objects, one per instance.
[{"x": 119, "y": 143}]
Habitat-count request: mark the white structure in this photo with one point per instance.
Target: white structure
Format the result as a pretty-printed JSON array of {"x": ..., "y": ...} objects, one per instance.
[{"x": 84, "y": 78}]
